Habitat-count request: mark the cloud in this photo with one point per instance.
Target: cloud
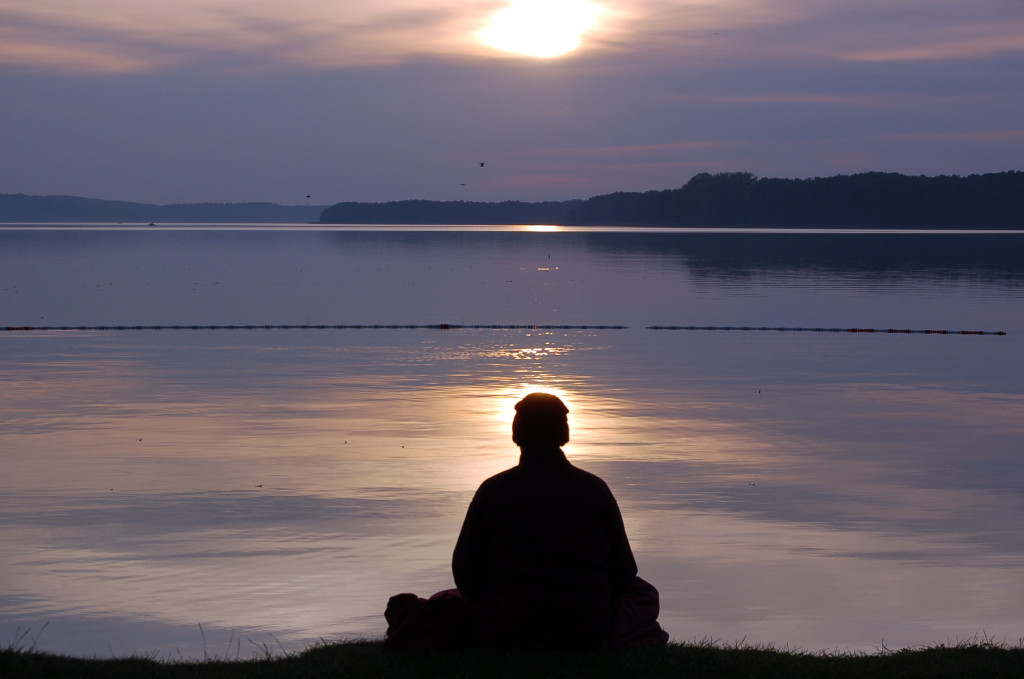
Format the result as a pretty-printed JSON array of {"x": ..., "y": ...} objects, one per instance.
[
  {"x": 873, "y": 30},
  {"x": 125, "y": 36},
  {"x": 915, "y": 31},
  {"x": 70, "y": 51},
  {"x": 995, "y": 44},
  {"x": 614, "y": 151},
  {"x": 117, "y": 36},
  {"x": 114, "y": 36}
]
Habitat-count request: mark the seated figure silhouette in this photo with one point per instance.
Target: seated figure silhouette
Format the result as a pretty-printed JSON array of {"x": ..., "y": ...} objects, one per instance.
[{"x": 542, "y": 558}]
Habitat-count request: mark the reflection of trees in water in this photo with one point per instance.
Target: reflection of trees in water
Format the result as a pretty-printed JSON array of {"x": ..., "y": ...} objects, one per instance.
[
  {"x": 988, "y": 257},
  {"x": 993, "y": 257}
]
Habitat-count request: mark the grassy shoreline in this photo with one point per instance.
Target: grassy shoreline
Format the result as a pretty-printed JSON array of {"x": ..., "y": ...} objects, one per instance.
[{"x": 368, "y": 659}]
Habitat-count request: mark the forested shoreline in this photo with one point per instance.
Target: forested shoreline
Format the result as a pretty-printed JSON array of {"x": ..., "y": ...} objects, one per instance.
[
  {"x": 867, "y": 200},
  {"x": 730, "y": 199},
  {"x": 740, "y": 199},
  {"x": 450, "y": 212}
]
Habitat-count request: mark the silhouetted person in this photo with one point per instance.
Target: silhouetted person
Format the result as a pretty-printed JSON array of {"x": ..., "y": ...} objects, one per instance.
[{"x": 542, "y": 558}]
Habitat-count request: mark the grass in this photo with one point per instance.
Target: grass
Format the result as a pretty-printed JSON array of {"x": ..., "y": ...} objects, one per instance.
[{"x": 693, "y": 660}]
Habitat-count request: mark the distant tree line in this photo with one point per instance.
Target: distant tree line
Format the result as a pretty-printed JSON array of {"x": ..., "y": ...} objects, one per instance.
[
  {"x": 739, "y": 199},
  {"x": 872, "y": 199},
  {"x": 449, "y": 212},
  {"x": 731, "y": 199},
  {"x": 19, "y": 207}
]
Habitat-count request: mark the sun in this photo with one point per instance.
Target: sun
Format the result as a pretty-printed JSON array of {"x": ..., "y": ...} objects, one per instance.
[{"x": 541, "y": 28}]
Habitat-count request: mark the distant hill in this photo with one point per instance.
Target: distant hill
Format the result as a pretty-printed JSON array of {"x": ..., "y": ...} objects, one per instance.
[
  {"x": 450, "y": 212},
  {"x": 868, "y": 200},
  {"x": 732, "y": 199},
  {"x": 18, "y": 207}
]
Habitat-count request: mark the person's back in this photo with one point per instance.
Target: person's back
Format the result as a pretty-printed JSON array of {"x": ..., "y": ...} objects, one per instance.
[
  {"x": 542, "y": 558},
  {"x": 543, "y": 554}
]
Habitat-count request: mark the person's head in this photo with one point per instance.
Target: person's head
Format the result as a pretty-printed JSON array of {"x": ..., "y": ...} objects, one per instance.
[{"x": 540, "y": 421}]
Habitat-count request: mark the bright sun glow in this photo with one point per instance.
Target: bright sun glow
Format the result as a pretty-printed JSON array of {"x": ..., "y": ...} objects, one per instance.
[{"x": 541, "y": 28}]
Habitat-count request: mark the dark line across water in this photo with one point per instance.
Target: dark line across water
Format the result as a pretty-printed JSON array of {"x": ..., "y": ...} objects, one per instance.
[{"x": 460, "y": 326}]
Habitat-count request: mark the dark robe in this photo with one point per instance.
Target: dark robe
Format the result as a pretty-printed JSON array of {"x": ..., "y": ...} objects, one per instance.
[{"x": 543, "y": 556}]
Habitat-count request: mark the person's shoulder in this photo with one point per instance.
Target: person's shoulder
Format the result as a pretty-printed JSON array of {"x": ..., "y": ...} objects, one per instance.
[
  {"x": 589, "y": 477},
  {"x": 499, "y": 479},
  {"x": 497, "y": 488}
]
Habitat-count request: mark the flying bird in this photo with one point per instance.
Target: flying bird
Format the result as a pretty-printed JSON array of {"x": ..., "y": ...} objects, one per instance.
[{"x": 481, "y": 164}]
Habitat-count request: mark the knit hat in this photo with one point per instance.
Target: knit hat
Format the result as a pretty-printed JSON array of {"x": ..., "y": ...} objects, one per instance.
[{"x": 540, "y": 421}]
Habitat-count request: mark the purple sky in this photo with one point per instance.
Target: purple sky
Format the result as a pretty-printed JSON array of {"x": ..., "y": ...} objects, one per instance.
[{"x": 239, "y": 100}]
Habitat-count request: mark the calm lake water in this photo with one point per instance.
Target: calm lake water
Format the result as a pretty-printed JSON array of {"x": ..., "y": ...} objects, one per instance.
[{"x": 275, "y": 486}]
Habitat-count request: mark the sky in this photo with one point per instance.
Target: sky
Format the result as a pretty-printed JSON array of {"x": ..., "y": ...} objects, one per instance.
[{"x": 321, "y": 101}]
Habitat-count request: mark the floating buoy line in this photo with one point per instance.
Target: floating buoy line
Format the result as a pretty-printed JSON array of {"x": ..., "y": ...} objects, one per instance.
[
  {"x": 460, "y": 326},
  {"x": 319, "y": 326},
  {"x": 895, "y": 331}
]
